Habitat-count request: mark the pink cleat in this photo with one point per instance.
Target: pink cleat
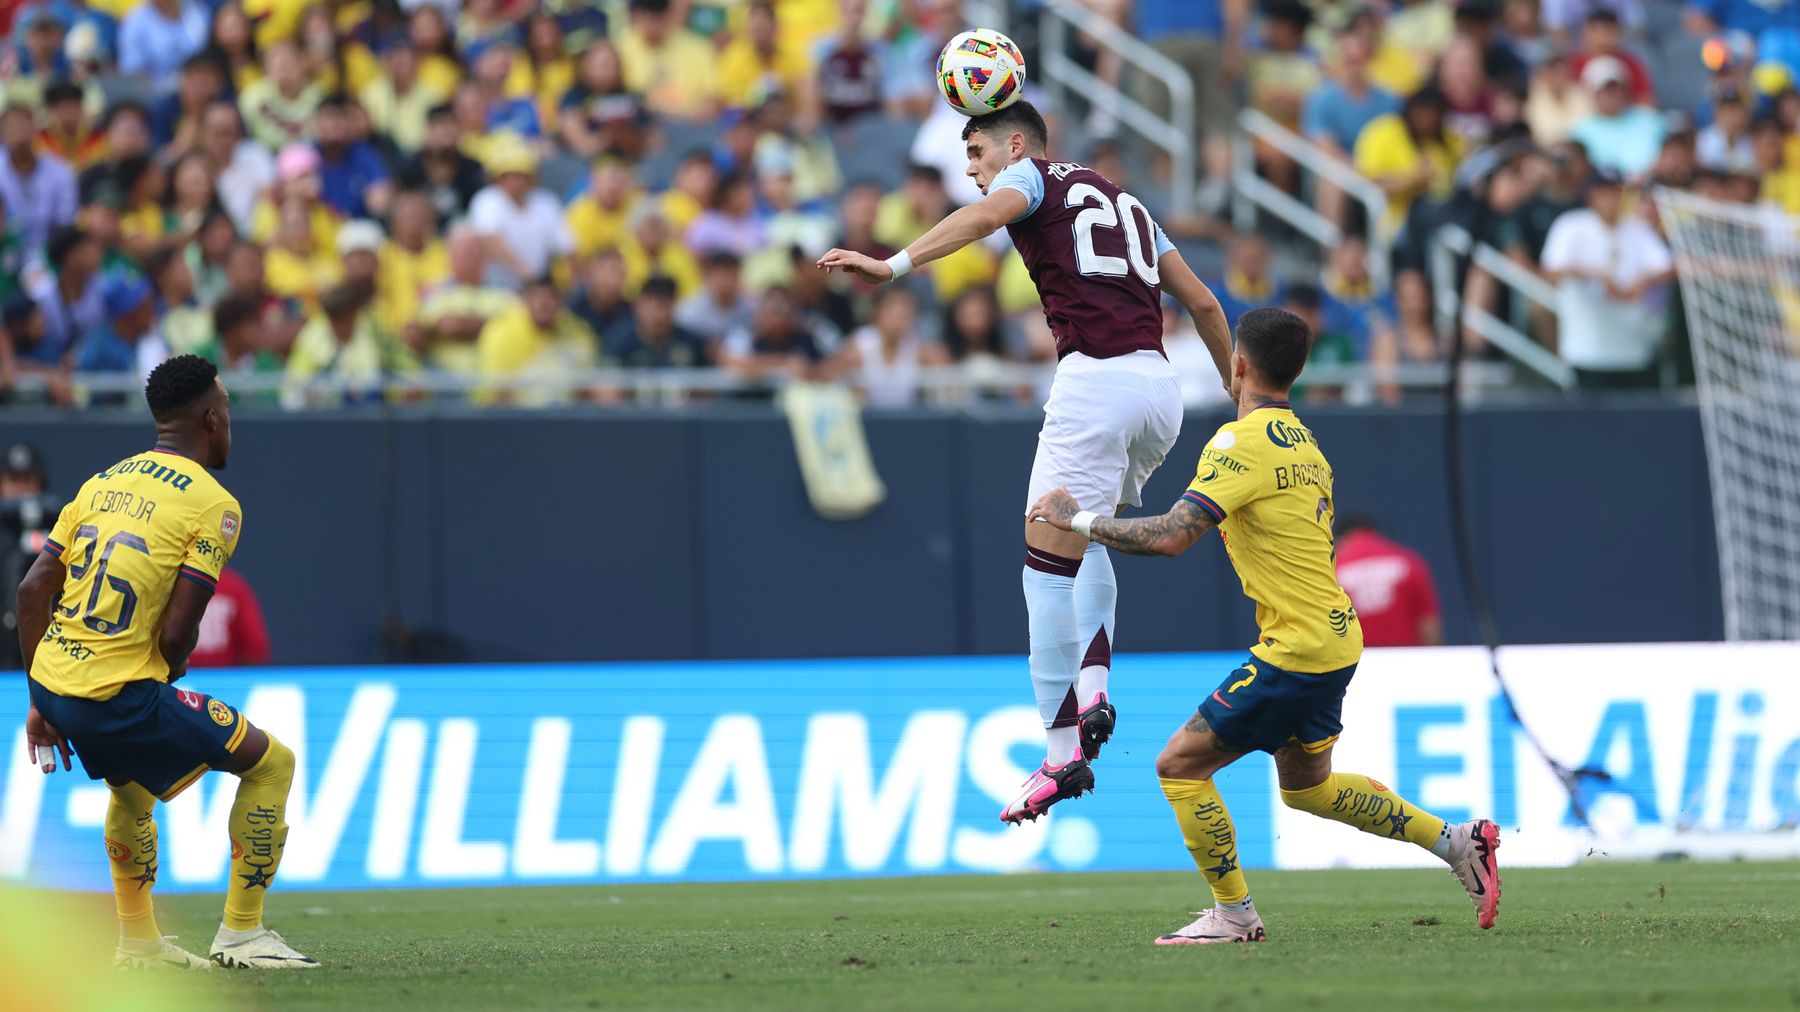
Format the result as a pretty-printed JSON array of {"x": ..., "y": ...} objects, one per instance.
[
  {"x": 1472, "y": 861},
  {"x": 1048, "y": 785},
  {"x": 1096, "y": 724}
]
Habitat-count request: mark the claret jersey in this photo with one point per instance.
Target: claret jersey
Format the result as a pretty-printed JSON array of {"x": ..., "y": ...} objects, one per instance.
[
  {"x": 1092, "y": 250},
  {"x": 1265, "y": 480},
  {"x": 127, "y": 536}
]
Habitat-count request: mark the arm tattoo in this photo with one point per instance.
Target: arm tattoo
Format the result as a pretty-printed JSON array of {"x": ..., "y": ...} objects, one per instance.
[
  {"x": 1197, "y": 724},
  {"x": 1177, "y": 529}
]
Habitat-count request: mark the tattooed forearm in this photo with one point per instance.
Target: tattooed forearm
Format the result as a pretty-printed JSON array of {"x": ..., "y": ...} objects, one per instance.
[{"x": 1169, "y": 534}]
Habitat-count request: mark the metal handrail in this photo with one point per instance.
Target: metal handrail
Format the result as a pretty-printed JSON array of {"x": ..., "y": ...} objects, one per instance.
[
  {"x": 1451, "y": 241},
  {"x": 1061, "y": 72},
  {"x": 942, "y": 384},
  {"x": 1259, "y": 192}
]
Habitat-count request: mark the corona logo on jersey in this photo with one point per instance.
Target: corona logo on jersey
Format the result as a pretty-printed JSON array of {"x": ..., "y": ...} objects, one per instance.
[{"x": 659, "y": 772}]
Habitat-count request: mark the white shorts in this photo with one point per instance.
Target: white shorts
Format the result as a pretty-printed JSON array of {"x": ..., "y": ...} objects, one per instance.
[{"x": 1107, "y": 427}]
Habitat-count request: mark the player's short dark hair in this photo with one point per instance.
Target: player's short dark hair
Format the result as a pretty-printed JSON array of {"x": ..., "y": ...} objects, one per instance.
[
  {"x": 443, "y": 110},
  {"x": 1603, "y": 15},
  {"x": 337, "y": 101},
  {"x": 658, "y": 286},
  {"x": 1020, "y": 117},
  {"x": 177, "y": 383},
  {"x": 1276, "y": 342}
]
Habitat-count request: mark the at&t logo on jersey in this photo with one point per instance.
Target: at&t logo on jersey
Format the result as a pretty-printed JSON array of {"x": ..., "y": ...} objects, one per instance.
[{"x": 192, "y": 700}]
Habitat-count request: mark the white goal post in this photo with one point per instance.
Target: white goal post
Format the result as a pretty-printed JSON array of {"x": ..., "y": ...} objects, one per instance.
[{"x": 1739, "y": 270}]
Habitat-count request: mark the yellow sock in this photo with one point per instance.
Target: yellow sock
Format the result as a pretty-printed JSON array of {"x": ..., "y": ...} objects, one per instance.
[
  {"x": 1207, "y": 831},
  {"x": 258, "y": 834},
  {"x": 1355, "y": 800},
  {"x": 131, "y": 850}
]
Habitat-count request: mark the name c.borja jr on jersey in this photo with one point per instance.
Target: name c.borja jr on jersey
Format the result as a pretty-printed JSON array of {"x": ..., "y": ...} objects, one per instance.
[{"x": 127, "y": 536}]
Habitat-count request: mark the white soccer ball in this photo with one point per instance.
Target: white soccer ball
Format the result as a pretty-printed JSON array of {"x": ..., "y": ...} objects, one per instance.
[{"x": 981, "y": 71}]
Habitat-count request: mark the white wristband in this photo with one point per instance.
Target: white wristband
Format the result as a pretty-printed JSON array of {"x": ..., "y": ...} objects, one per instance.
[
  {"x": 900, "y": 264},
  {"x": 1083, "y": 523}
]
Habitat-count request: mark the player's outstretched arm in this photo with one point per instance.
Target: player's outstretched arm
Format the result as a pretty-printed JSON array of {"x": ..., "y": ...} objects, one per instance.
[
  {"x": 181, "y": 624},
  {"x": 1179, "y": 280},
  {"x": 959, "y": 228},
  {"x": 1170, "y": 534}
]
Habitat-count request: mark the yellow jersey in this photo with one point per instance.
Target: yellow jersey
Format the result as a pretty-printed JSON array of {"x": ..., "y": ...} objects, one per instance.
[
  {"x": 1264, "y": 479},
  {"x": 127, "y": 536}
]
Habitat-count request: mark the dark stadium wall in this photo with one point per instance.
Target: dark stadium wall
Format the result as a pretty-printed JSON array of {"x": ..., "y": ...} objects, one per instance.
[{"x": 572, "y": 536}]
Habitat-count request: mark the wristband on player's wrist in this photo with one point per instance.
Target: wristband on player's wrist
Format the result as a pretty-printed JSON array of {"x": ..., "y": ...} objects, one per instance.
[
  {"x": 901, "y": 264},
  {"x": 1083, "y": 523}
]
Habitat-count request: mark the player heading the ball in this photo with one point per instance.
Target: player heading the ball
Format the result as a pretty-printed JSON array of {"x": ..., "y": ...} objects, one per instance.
[{"x": 1101, "y": 265}]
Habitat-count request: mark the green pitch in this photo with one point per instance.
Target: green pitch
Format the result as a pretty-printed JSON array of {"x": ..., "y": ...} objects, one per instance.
[{"x": 1605, "y": 934}]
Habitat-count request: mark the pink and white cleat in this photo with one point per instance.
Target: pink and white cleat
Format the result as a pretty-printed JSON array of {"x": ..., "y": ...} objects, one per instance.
[
  {"x": 1472, "y": 861},
  {"x": 1216, "y": 926},
  {"x": 1096, "y": 722},
  {"x": 1046, "y": 787}
]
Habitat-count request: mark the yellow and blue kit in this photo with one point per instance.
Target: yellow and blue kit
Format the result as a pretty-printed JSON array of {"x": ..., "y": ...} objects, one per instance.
[
  {"x": 1265, "y": 481},
  {"x": 99, "y": 676}
]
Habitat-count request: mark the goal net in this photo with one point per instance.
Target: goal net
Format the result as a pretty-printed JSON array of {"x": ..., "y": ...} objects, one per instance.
[{"x": 1739, "y": 269}]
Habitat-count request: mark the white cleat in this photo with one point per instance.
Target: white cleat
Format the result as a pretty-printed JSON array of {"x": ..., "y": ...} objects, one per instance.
[
  {"x": 1216, "y": 926},
  {"x": 1473, "y": 862},
  {"x": 257, "y": 949},
  {"x": 155, "y": 954}
]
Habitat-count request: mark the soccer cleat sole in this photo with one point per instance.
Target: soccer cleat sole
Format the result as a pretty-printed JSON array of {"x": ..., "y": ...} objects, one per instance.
[
  {"x": 231, "y": 962},
  {"x": 1081, "y": 782},
  {"x": 1257, "y": 936},
  {"x": 1487, "y": 845},
  {"x": 1097, "y": 725}
]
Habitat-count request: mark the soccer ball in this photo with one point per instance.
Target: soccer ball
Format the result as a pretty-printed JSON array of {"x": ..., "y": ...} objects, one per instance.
[{"x": 981, "y": 71}]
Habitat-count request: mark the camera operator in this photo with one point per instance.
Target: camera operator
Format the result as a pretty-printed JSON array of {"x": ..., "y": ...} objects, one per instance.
[{"x": 26, "y": 516}]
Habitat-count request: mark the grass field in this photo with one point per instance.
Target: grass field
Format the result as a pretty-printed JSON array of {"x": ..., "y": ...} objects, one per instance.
[{"x": 1603, "y": 934}]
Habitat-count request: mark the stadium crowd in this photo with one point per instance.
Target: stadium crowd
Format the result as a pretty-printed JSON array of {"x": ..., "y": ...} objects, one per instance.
[{"x": 505, "y": 194}]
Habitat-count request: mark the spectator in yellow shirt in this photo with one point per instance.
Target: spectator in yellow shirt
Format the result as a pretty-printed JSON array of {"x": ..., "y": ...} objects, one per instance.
[
  {"x": 671, "y": 67},
  {"x": 695, "y": 180},
  {"x": 337, "y": 61},
  {"x": 413, "y": 261},
  {"x": 342, "y": 342},
  {"x": 1410, "y": 154},
  {"x": 278, "y": 108},
  {"x": 651, "y": 249},
  {"x": 429, "y": 31},
  {"x": 761, "y": 61},
  {"x": 598, "y": 217},
  {"x": 1780, "y": 177},
  {"x": 398, "y": 102},
  {"x": 543, "y": 71},
  {"x": 455, "y": 312},
  {"x": 539, "y": 341},
  {"x": 297, "y": 182},
  {"x": 297, "y": 266},
  {"x": 232, "y": 46}
]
